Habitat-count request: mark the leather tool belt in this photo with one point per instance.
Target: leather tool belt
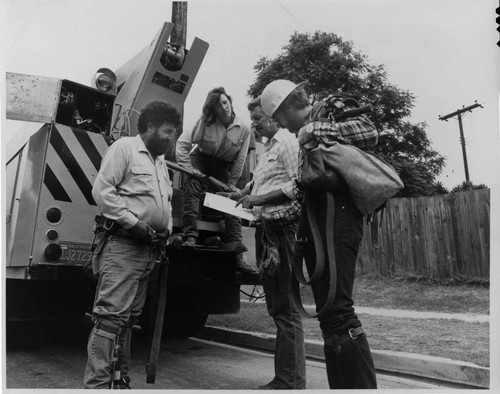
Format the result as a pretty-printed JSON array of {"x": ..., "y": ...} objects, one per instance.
[{"x": 111, "y": 227}]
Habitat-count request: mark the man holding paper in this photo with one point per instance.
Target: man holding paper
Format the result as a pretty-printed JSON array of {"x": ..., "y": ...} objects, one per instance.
[{"x": 273, "y": 197}]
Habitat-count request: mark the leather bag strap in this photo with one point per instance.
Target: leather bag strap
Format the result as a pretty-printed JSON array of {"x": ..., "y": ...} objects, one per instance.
[
  {"x": 298, "y": 277},
  {"x": 158, "y": 325},
  {"x": 308, "y": 221}
]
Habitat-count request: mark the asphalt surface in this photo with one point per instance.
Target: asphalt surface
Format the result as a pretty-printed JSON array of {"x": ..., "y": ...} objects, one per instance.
[
  {"x": 56, "y": 362},
  {"x": 43, "y": 357}
]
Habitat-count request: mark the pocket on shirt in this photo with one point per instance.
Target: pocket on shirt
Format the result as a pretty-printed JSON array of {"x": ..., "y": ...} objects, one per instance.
[
  {"x": 271, "y": 157},
  {"x": 233, "y": 147},
  {"x": 274, "y": 162},
  {"x": 235, "y": 139},
  {"x": 142, "y": 180},
  {"x": 208, "y": 143}
]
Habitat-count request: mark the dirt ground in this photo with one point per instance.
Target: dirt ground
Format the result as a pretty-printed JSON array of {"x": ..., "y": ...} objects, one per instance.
[{"x": 454, "y": 339}]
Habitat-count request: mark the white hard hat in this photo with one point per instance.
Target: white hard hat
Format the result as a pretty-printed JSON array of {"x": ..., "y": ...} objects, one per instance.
[{"x": 274, "y": 94}]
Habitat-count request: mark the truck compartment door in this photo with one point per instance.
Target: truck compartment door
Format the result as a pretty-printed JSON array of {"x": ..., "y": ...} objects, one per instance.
[{"x": 31, "y": 98}]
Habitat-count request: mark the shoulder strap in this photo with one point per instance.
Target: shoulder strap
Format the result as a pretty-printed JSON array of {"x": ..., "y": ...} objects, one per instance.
[
  {"x": 308, "y": 221},
  {"x": 161, "y": 300},
  {"x": 298, "y": 278}
]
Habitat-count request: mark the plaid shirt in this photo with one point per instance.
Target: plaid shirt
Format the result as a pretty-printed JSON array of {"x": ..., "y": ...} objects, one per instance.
[
  {"x": 358, "y": 130},
  {"x": 277, "y": 169}
]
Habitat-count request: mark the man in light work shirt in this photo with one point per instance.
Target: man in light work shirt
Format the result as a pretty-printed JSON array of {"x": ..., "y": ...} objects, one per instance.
[
  {"x": 133, "y": 189},
  {"x": 273, "y": 197}
]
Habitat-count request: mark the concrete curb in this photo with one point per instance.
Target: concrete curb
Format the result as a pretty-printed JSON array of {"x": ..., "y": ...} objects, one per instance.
[{"x": 437, "y": 368}]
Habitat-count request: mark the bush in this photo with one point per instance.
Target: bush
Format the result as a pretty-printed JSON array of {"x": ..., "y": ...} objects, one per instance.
[{"x": 468, "y": 185}]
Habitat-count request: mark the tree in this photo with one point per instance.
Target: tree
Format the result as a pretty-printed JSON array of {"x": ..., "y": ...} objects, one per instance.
[
  {"x": 331, "y": 65},
  {"x": 468, "y": 185},
  {"x": 439, "y": 188}
]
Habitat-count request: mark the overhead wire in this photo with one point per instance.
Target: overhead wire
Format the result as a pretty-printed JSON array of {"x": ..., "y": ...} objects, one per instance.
[
  {"x": 75, "y": 29},
  {"x": 23, "y": 29},
  {"x": 292, "y": 15}
]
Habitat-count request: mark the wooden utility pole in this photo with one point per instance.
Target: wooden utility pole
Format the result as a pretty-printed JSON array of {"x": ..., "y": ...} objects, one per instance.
[
  {"x": 179, "y": 19},
  {"x": 458, "y": 113}
]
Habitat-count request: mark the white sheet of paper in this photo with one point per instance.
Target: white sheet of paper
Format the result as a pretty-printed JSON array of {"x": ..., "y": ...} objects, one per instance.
[{"x": 227, "y": 205}]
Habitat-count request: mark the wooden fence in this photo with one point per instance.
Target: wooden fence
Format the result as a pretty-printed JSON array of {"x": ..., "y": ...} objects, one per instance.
[{"x": 443, "y": 237}]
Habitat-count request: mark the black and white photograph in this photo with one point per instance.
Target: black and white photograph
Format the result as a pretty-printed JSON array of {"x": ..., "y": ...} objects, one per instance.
[{"x": 250, "y": 195}]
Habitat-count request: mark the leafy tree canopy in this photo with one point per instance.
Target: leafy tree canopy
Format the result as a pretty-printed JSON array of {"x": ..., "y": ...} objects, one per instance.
[{"x": 331, "y": 65}]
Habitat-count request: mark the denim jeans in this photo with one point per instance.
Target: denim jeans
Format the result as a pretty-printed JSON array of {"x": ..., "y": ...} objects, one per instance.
[
  {"x": 350, "y": 365},
  {"x": 194, "y": 188},
  {"x": 124, "y": 266},
  {"x": 289, "y": 355}
]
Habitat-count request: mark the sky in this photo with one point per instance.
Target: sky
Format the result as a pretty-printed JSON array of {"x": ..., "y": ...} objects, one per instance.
[{"x": 442, "y": 51}]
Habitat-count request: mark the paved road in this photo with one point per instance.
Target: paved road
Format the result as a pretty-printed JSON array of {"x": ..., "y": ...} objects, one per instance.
[{"x": 54, "y": 360}]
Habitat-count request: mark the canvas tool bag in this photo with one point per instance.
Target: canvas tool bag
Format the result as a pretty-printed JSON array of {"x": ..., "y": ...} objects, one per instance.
[{"x": 371, "y": 181}]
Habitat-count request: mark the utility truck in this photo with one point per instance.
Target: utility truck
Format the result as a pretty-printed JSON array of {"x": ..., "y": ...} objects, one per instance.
[{"x": 50, "y": 209}]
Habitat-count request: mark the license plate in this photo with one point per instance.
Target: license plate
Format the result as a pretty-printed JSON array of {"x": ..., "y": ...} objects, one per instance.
[{"x": 75, "y": 253}]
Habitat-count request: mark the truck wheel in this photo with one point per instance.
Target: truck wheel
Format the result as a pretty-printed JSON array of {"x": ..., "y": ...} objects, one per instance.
[
  {"x": 183, "y": 325},
  {"x": 176, "y": 324}
]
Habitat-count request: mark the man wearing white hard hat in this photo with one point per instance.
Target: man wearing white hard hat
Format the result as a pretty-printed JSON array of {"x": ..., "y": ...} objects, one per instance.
[{"x": 348, "y": 357}]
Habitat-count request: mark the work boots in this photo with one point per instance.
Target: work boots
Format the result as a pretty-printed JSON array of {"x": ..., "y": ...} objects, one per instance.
[
  {"x": 235, "y": 246},
  {"x": 242, "y": 266},
  {"x": 349, "y": 365},
  {"x": 190, "y": 242}
]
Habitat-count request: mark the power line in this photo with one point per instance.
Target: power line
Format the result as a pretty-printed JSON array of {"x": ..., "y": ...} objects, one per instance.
[
  {"x": 24, "y": 28},
  {"x": 292, "y": 15},
  {"x": 75, "y": 29}
]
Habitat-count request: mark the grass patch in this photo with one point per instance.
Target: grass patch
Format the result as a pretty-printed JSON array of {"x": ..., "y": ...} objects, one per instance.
[
  {"x": 416, "y": 295},
  {"x": 421, "y": 296},
  {"x": 454, "y": 339}
]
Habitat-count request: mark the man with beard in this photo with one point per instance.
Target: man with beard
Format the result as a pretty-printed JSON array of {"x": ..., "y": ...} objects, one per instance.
[{"x": 133, "y": 192}]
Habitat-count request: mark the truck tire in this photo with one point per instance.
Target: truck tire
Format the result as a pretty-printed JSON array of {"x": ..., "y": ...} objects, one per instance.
[
  {"x": 183, "y": 325},
  {"x": 177, "y": 324}
]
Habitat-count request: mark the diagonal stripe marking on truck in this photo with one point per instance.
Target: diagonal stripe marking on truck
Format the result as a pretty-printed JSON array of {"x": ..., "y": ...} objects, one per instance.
[
  {"x": 88, "y": 146},
  {"x": 55, "y": 188},
  {"x": 71, "y": 163}
]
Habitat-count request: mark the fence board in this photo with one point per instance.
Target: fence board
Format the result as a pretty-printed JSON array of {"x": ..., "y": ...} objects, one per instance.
[{"x": 443, "y": 236}]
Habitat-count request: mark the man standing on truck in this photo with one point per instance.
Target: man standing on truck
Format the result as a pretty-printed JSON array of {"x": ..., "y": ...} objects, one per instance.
[
  {"x": 273, "y": 197},
  {"x": 133, "y": 192}
]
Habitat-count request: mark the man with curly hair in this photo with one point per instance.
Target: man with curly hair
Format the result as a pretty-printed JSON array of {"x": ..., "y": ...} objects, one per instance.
[{"x": 133, "y": 191}]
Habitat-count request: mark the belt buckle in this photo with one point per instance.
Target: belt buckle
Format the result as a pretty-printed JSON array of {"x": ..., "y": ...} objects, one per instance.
[{"x": 350, "y": 332}]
